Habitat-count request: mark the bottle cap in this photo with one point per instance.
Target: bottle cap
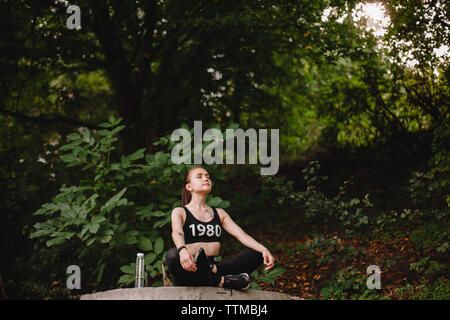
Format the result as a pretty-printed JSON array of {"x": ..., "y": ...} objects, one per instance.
[{"x": 140, "y": 254}]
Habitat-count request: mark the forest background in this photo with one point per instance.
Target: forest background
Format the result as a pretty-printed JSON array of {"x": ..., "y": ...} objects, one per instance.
[{"x": 358, "y": 89}]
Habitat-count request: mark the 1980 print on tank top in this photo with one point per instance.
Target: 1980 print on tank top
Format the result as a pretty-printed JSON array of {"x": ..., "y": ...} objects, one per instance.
[{"x": 199, "y": 231}]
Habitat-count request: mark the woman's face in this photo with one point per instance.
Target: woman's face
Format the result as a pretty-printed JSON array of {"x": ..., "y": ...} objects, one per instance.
[{"x": 199, "y": 181}]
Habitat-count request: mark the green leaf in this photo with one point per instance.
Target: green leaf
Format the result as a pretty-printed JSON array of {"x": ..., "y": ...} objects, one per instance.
[
  {"x": 68, "y": 158},
  {"x": 162, "y": 222},
  {"x": 71, "y": 145},
  {"x": 105, "y": 238},
  {"x": 157, "y": 213},
  {"x": 159, "y": 245},
  {"x": 91, "y": 200},
  {"x": 277, "y": 272},
  {"x": 149, "y": 258},
  {"x": 46, "y": 209},
  {"x": 145, "y": 244},
  {"x": 98, "y": 219},
  {"x": 213, "y": 201},
  {"x": 255, "y": 286},
  {"x": 39, "y": 233},
  {"x": 84, "y": 230},
  {"x": 93, "y": 227},
  {"x": 225, "y": 204},
  {"x": 90, "y": 241},
  {"x": 103, "y": 132},
  {"x": 98, "y": 176},
  {"x": 169, "y": 200},
  {"x": 267, "y": 279},
  {"x": 67, "y": 235},
  {"x": 104, "y": 125},
  {"x": 117, "y": 129},
  {"x": 122, "y": 227},
  {"x": 73, "y": 136},
  {"x": 126, "y": 279},
  {"x": 133, "y": 233},
  {"x": 129, "y": 269},
  {"x": 136, "y": 155},
  {"x": 130, "y": 238},
  {"x": 111, "y": 203},
  {"x": 57, "y": 240},
  {"x": 122, "y": 202}
]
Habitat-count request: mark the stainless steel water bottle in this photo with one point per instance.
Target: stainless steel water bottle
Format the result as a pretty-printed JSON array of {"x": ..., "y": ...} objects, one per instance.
[{"x": 139, "y": 281}]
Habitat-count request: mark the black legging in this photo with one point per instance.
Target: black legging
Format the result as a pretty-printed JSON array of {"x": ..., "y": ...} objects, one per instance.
[{"x": 247, "y": 261}]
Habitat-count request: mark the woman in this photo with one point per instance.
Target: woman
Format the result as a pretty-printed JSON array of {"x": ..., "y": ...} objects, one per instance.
[{"x": 196, "y": 231}]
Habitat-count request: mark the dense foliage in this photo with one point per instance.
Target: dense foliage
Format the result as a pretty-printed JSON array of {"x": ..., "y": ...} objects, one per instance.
[{"x": 363, "y": 112}]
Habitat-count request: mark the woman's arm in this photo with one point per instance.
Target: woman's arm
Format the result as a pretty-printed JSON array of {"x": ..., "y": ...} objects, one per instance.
[
  {"x": 186, "y": 259},
  {"x": 232, "y": 228}
]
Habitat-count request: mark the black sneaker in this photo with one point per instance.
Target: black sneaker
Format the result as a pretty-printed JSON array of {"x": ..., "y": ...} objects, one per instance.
[{"x": 237, "y": 281}]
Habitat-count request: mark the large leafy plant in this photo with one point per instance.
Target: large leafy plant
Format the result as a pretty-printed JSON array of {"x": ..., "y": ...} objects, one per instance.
[{"x": 121, "y": 208}]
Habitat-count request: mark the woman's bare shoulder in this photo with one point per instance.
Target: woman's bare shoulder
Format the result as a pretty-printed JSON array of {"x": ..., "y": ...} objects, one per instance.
[
  {"x": 179, "y": 212},
  {"x": 222, "y": 213}
]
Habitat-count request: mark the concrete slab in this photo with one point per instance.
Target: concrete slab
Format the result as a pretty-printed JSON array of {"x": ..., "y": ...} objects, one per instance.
[{"x": 186, "y": 293}]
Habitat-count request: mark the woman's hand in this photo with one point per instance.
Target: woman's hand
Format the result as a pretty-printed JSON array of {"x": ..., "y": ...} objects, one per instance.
[
  {"x": 268, "y": 259},
  {"x": 187, "y": 260}
]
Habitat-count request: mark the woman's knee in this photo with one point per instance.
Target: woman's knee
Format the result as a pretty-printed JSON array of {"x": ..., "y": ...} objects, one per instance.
[
  {"x": 171, "y": 257},
  {"x": 256, "y": 256}
]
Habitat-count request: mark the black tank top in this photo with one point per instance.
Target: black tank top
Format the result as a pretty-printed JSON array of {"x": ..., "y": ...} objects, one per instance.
[{"x": 199, "y": 231}]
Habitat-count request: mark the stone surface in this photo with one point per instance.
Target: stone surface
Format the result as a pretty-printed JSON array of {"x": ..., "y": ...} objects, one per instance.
[{"x": 186, "y": 293}]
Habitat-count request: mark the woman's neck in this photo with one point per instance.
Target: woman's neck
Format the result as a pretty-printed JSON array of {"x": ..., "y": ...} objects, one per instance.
[{"x": 198, "y": 201}]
